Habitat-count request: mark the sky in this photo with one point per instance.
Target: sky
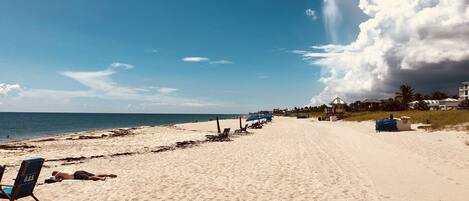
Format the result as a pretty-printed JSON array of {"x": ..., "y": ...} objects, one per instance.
[{"x": 221, "y": 56}]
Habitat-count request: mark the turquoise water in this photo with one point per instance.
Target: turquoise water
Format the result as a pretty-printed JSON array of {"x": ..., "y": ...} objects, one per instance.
[{"x": 14, "y": 126}]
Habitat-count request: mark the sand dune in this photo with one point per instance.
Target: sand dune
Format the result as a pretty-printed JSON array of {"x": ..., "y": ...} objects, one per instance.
[{"x": 289, "y": 159}]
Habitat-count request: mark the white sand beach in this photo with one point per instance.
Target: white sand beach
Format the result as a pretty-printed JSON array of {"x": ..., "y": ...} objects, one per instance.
[{"x": 289, "y": 159}]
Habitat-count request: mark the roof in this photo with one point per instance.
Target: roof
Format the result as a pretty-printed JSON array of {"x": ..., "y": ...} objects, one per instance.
[
  {"x": 372, "y": 101},
  {"x": 449, "y": 100},
  {"x": 429, "y": 102},
  {"x": 338, "y": 101}
]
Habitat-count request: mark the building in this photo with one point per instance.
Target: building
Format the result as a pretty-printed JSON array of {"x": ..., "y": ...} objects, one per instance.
[
  {"x": 448, "y": 104},
  {"x": 371, "y": 104},
  {"x": 464, "y": 91},
  {"x": 445, "y": 104},
  {"x": 432, "y": 104},
  {"x": 338, "y": 106}
]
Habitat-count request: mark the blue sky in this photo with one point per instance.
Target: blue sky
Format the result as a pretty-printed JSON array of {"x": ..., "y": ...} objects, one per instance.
[{"x": 207, "y": 56}]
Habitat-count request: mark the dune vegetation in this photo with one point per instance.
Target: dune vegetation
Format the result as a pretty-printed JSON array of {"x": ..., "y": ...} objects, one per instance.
[{"x": 437, "y": 119}]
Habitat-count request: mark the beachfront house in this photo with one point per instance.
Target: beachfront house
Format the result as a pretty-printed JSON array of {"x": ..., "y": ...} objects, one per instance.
[
  {"x": 464, "y": 91},
  {"x": 448, "y": 104},
  {"x": 371, "y": 104},
  {"x": 432, "y": 104},
  {"x": 445, "y": 104}
]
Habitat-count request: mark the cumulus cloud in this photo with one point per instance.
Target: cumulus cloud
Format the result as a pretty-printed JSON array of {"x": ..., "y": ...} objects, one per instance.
[
  {"x": 418, "y": 42},
  {"x": 195, "y": 59},
  {"x": 311, "y": 13},
  {"x": 5, "y": 89}
]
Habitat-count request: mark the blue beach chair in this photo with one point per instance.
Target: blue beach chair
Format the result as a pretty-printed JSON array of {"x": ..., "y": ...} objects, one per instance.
[{"x": 24, "y": 182}]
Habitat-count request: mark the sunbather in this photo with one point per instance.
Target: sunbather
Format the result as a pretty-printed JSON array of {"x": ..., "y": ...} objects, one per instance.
[{"x": 80, "y": 175}]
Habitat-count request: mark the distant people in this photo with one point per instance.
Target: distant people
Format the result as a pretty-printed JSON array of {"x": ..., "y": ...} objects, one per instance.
[{"x": 80, "y": 175}]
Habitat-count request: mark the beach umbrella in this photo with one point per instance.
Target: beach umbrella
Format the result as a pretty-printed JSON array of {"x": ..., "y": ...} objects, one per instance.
[
  {"x": 240, "y": 124},
  {"x": 268, "y": 116},
  {"x": 218, "y": 126},
  {"x": 253, "y": 117}
]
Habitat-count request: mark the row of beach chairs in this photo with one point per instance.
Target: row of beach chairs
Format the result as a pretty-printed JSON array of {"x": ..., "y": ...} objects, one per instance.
[{"x": 224, "y": 136}]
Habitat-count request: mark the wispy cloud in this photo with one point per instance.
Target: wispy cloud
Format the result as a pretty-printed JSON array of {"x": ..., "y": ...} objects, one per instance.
[
  {"x": 121, "y": 65},
  {"x": 99, "y": 85},
  {"x": 195, "y": 59},
  {"x": 198, "y": 104},
  {"x": 221, "y": 62},
  {"x": 262, "y": 76},
  {"x": 332, "y": 19},
  {"x": 166, "y": 90},
  {"x": 205, "y": 59},
  {"x": 311, "y": 13}
]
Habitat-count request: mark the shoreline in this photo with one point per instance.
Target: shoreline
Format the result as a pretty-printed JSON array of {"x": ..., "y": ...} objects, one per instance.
[{"x": 92, "y": 130}]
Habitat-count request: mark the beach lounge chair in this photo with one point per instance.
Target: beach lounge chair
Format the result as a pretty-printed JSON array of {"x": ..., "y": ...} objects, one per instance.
[
  {"x": 256, "y": 125},
  {"x": 220, "y": 137},
  {"x": 24, "y": 182},
  {"x": 242, "y": 130}
]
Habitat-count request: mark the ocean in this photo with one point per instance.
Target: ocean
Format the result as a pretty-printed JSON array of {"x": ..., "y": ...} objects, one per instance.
[{"x": 16, "y": 125}]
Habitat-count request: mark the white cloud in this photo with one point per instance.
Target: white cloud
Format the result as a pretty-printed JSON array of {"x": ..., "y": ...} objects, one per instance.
[
  {"x": 262, "y": 76},
  {"x": 205, "y": 59},
  {"x": 311, "y": 13},
  {"x": 5, "y": 89},
  {"x": 166, "y": 90},
  {"x": 197, "y": 104},
  {"x": 195, "y": 59},
  {"x": 332, "y": 19},
  {"x": 419, "y": 42},
  {"x": 121, "y": 65},
  {"x": 99, "y": 87},
  {"x": 221, "y": 62}
]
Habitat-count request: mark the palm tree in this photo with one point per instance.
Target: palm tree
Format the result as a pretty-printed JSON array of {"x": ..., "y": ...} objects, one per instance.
[
  {"x": 407, "y": 94},
  {"x": 418, "y": 96}
]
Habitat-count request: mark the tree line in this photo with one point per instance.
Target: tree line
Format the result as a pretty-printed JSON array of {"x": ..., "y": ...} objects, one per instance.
[{"x": 400, "y": 102}]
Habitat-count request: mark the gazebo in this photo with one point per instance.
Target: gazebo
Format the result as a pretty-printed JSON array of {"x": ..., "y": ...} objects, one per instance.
[
  {"x": 338, "y": 105},
  {"x": 335, "y": 110}
]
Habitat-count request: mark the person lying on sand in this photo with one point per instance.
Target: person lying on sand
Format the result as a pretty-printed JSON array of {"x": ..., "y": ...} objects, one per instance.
[{"x": 80, "y": 175}]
